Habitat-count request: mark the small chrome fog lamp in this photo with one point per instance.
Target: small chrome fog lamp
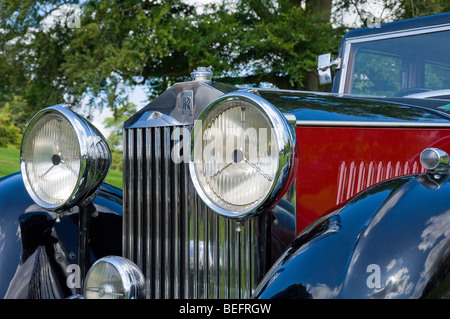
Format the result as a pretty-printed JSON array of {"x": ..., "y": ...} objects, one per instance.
[
  {"x": 434, "y": 159},
  {"x": 114, "y": 277},
  {"x": 63, "y": 158}
]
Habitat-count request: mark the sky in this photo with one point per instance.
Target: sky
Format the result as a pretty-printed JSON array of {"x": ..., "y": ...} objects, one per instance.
[{"x": 137, "y": 96}]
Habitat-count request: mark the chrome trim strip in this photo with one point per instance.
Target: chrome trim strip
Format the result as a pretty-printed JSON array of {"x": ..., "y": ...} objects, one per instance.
[
  {"x": 344, "y": 66},
  {"x": 372, "y": 124},
  {"x": 400, "y": 33},
  {"x": 128, "y": 234},
  {"x": 165, "y": 199},
  {"x": 432, "y": 94}
]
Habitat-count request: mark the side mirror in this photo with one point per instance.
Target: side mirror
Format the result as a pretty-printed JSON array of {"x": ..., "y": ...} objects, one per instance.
[{"x": 324, "y": 65}]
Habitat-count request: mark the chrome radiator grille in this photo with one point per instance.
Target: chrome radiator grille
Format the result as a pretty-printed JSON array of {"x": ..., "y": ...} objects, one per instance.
[{"x": 184, "y": 249}]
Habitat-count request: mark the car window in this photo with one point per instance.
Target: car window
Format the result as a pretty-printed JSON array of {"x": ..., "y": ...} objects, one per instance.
[
  {"x": 437, "y": 76},
  {"x": 399, "y": 66},
  {"x": 376, "y": 74}
]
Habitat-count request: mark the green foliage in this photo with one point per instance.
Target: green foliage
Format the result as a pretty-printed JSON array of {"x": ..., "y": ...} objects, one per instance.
[
  {"x": 119, "y": 43},
  {"x": 32, "y": 56},
  {"x": 10, "y": 134},
  {"x": 257, "y": 42},
  {"x": 117, "y": 160},
  {"x": 48, "y": 60},
  {"x": 387, "y": 10},
  {"x": 120, "y": 115},
  {"x": 418, "y": 8},
  {"x": 376, "y": 74}
]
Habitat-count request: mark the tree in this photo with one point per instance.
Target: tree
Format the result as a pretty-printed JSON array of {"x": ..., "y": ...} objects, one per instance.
[
  {"x": 31, "y": 55},
  {"x": 273, "y": 42},
  {"x": 120, "y": 115},
  {"x": 65, "y": 51},
  {"x": 13, "y": 120},
  {"x": 10, "y": 135},
  {"x": 116, "y": 44},
  {"x": 72, "y": 51},
  {"x": 124, "y": 43},
  {"x": 384, "y": 11}
]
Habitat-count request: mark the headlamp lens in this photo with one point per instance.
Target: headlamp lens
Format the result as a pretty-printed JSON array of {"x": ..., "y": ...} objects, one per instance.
[
  {"x": 51, "y": 154},
  {"x": 63, "y": 158},
  {"x": 114, "y": 277},
  {"x": 240, "y": 156}
]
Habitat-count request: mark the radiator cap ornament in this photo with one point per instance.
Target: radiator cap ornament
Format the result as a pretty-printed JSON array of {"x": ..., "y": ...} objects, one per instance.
[{"x": 202, "y": 74}]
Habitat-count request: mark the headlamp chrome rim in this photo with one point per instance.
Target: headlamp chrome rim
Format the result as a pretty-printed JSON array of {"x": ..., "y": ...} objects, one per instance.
[
  {"x": 286, "y": 142},
  {"x": 89, "y": 139}
]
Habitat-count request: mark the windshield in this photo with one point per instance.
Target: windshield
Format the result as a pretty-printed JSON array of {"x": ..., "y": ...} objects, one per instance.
[{"x": 400, "y": 66}]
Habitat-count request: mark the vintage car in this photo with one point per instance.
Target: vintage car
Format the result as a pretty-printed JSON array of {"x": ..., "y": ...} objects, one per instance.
[{"x": 235, "y": 192}]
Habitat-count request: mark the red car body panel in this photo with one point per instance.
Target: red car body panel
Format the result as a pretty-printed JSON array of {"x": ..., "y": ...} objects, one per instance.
[{"x": 336, "y": 163}]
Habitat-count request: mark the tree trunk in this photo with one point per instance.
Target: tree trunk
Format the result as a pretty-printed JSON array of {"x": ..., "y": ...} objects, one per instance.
[{"x": 322, "y": 8}]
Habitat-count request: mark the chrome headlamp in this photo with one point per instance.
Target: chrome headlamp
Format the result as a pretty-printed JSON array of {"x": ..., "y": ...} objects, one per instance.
[
  {"x": 63, "y": 158},
  {"x": 242, "y": 153},
  {"x": 114, "y": 277},
  {"x": 434, "y": 159}
]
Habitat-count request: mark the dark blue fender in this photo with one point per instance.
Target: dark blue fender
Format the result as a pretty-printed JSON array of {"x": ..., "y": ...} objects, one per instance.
[
  {"x": 38, "y": 254},
  {"x": 391, "y": 241}
]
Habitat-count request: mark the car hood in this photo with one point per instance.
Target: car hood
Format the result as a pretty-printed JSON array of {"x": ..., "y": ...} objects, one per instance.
[
  {"x": 307, "y": 107},
  {"x": 314, "y": 106}
]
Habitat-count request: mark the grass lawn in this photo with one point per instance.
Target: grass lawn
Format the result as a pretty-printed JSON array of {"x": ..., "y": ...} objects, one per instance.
[
  {"x": 114, "y": 178},
  {"x": 10, "y": 159}
]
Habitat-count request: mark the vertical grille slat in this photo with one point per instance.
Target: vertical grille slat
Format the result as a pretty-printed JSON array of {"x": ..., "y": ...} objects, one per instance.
[
  {"x": 184, "y": 232},
  {"x": 165, "y": 208},
  {"x": 184, "y": 249},
  {"x": 149, "y": 190},
  {"x": 175, "y": 205},
  {"x": 139, "y": 198}
]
